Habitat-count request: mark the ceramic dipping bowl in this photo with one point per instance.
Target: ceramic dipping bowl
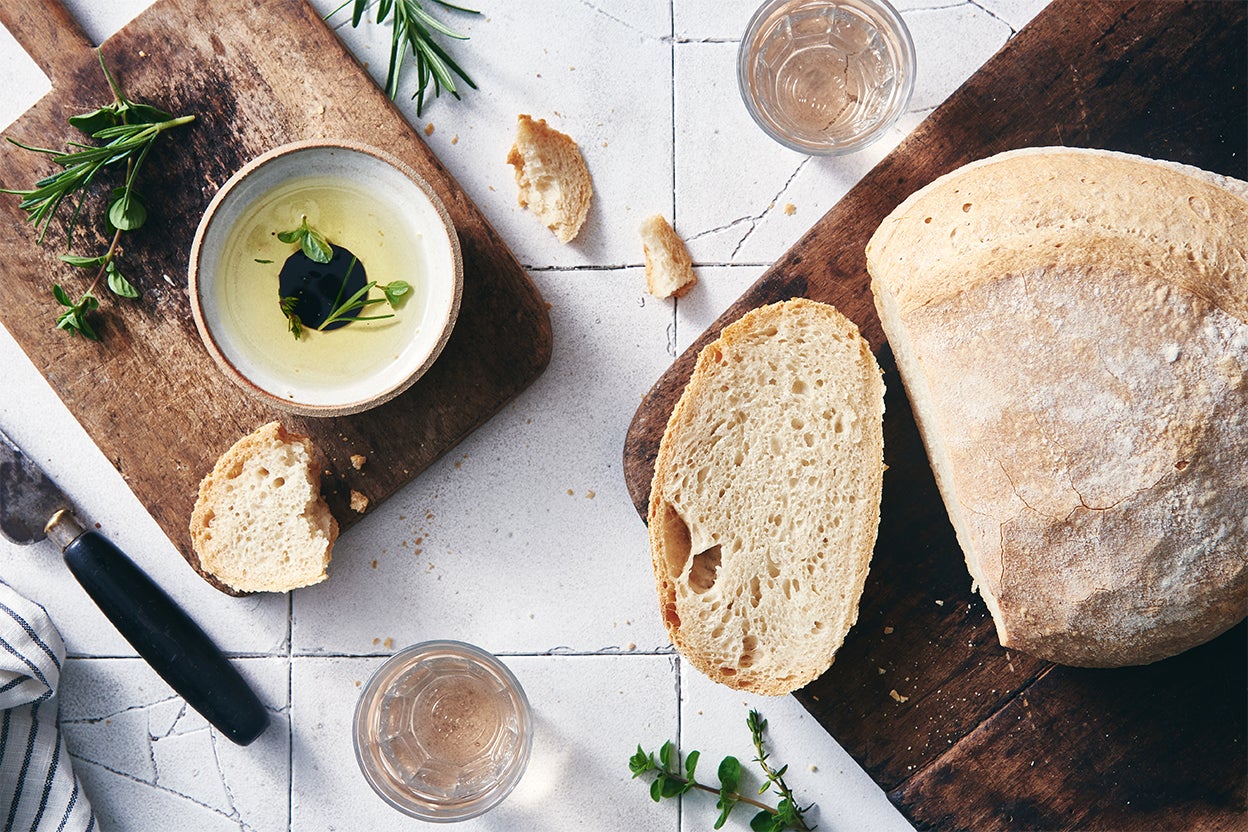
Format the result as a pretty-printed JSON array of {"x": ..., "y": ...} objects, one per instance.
[{"x": 395, "y": 231}]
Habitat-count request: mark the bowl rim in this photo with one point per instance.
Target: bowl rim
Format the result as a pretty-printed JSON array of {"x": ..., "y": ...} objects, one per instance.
[{"x": 194, "y": 284}]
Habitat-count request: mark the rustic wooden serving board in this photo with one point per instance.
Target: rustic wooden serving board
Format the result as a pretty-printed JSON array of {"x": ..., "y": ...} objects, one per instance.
[
  {"x": 988, "y": 739},
  {"x": 256, "y": 74}
]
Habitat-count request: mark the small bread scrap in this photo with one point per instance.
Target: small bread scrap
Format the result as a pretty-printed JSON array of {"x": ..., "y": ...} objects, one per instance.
[
  {"x": 551, "y": 174},
  {"x": 669, "y": 269},
  {"x": 260, "y": 523},
  {"x": 766, "y": 497}
]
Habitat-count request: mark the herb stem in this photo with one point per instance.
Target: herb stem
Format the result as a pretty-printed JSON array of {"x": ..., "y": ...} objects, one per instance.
[{"x": 108, "y": 258}]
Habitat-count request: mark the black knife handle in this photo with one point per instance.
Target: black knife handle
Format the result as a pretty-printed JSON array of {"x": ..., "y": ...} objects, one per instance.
[{"x": 166, "y": 637}]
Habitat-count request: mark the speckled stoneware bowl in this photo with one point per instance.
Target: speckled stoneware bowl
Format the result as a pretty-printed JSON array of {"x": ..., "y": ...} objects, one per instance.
[{"x": 362, "y": 199}]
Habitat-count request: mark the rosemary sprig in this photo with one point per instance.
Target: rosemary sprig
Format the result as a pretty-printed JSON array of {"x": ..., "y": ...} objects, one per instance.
[
  {"x": 672, "y": 779},
  {"x": 413, "y": 28},
  {"x": 128, "y": 129}
]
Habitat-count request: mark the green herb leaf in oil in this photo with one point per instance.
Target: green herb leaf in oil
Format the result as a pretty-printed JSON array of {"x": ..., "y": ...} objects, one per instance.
[{"x": 313, "y": 243}]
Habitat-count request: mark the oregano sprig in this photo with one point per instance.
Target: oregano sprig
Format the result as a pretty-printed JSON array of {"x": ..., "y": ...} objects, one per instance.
[
  {"x": 673, "y": 779},
  {"x": 128, "y": 130}
]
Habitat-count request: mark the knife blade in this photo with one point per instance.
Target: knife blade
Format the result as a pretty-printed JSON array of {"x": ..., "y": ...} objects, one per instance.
[
  {"x": 27, "y": 497},
  {"x": 32, "y": 508}
]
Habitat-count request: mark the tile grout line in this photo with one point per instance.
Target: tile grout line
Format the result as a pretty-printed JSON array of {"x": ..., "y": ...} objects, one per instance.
[{"x": 290, "y": 712}]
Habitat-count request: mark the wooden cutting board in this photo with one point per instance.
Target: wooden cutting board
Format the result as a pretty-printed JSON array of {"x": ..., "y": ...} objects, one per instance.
[
  {"x": 256, "y": 74},
  {"x": 985, "y": 738}
]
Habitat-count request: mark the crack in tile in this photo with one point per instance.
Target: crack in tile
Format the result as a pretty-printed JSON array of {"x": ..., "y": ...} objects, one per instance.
[
  {"x": 93, "y": 720},
  {"x": 997, "y": 18},
  {"x": 630, "y": 27},
  {"x": 225, "y": 785},
  {"x": 126, "y": 775},
  {"x": 754, "y": 221}
]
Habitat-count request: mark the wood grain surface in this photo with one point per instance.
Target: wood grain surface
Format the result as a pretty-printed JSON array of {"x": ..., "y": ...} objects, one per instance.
[
  {"x": 256, "y": 74},
  {"x": 985, "y": 738}
]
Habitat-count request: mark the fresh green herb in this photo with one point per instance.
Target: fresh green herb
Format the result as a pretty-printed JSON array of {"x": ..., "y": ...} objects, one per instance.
[
  {"x": 315, "y": 246},
  {"x": 342, "y": 309},
  {"x": 128, "y": 130},
  {"x": 294, "y": 324},
  {"x": 672, "y": 779},
  {"x": 413, "y": 28}
]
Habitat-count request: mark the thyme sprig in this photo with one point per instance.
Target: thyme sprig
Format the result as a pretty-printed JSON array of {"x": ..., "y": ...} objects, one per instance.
[
  {"x": 413, "y": 28},
  {"x": 128, "y": 130},
  {"x": 673, "y": 779}
]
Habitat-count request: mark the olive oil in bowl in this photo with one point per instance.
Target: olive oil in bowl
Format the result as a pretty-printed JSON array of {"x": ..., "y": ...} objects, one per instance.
[{"x": 371, "y": 211}]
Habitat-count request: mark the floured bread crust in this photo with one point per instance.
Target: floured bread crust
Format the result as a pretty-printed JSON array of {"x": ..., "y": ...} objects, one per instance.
[{"x": 1075, "y": 349}]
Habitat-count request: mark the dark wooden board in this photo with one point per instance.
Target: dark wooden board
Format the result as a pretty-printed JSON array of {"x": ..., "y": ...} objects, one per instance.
[
  {"x": 256, "y": 74},
  {"x": 989, "y": 739}
]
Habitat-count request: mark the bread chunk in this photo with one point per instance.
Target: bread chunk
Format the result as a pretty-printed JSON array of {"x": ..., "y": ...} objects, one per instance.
[
  {"x": 551, "y": 174},
  {"x": 669, "y": 269},
  {"x": 1070, "y": 328},
  {"x": 766, "y": 497},
  {"x": 260, "y": 523}
]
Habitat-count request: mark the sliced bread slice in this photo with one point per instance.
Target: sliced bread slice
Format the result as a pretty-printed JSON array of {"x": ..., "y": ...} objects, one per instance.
[
  {"x": 551, "y": 174},
  {"x": 669, "y": 269},
  {"x": 260, "y": 523},
  {"x": 766, "y": 497}
]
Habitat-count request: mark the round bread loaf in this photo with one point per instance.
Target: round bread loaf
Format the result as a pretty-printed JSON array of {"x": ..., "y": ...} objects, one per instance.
[
  {"x": 1070, "y": 328},
  {"x": 766, "y": 497}
]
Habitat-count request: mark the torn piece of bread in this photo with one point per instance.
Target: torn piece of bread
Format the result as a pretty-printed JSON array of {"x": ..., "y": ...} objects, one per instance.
[
  {"x": 551, "y": 174},
  {"x": 669, "y": 269},
  {"x": 1071, "y": 326},
  {"x": 260, "y": 523},
  {"x": 765, "y": 502}
]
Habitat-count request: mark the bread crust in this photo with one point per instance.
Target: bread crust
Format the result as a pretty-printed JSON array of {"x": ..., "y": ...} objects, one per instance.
[
  {"x": 1075, "y": 349},
  {"x": 794, "y": 587}
]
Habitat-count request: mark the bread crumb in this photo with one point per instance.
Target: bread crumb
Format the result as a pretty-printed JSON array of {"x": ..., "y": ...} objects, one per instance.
[
  {"x": 429, "y": 129},
  {"x": 358, "y": 460},
  {"x": 939, "y": 603},
  {"x": 790, "y": 209},
  {"x": 377, "y": 641},
  {"x": 589, "y": 495},
  {"x": 388, "y": 643},
  {"x": 888, "y": 631},
  {"x": 630, "y": 646},
  {"x": 882, "y": 670},
  {"x": 374, "y": 563},
  {"x": 814, "y": 767},
  {"x": 359, "y": 502},
  {"x": 669, "y": 268},
  {"x": 357, "y": 683},
  {"x": 552, "y": 178},
  {"x": 455, "y": 139},
  {"x": 897, "y": 697},
  {"x": 570, "y": 492},
  {"x": 142, "y": 54}
]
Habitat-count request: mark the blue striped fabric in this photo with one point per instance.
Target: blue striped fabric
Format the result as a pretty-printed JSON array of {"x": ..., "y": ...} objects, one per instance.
[{"x": 38, "y": 789}]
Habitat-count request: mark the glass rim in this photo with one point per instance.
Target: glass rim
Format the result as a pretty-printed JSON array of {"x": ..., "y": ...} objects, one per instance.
[
  {"x": 412, "y": 803},
  {"x": 906, "y": 59}
]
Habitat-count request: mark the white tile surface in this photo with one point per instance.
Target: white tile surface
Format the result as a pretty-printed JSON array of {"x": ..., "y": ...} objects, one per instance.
[{"x": 558, "y": 582}]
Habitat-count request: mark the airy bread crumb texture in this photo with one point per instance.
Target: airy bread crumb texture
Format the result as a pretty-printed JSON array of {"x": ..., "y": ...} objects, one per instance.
[
  {"x": 669, "y": 269},
  {"x": 260, "y": 523},
  {"x": 766, "y": 497},
  {"x": 552, "y": 177}
]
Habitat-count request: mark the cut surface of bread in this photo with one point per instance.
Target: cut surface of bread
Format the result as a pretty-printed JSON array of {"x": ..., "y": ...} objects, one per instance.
[
  {"x": 1070, "y": 328},
  {"x": 669, "y": 269},
  {"x": 765, "y": 502},
  {"x": 551, "y": 174},
  {"x": 260, "y": 523}
]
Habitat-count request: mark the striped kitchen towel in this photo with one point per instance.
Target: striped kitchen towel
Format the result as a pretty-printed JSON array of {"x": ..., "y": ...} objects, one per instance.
[{"x": 38, "y": 789}]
